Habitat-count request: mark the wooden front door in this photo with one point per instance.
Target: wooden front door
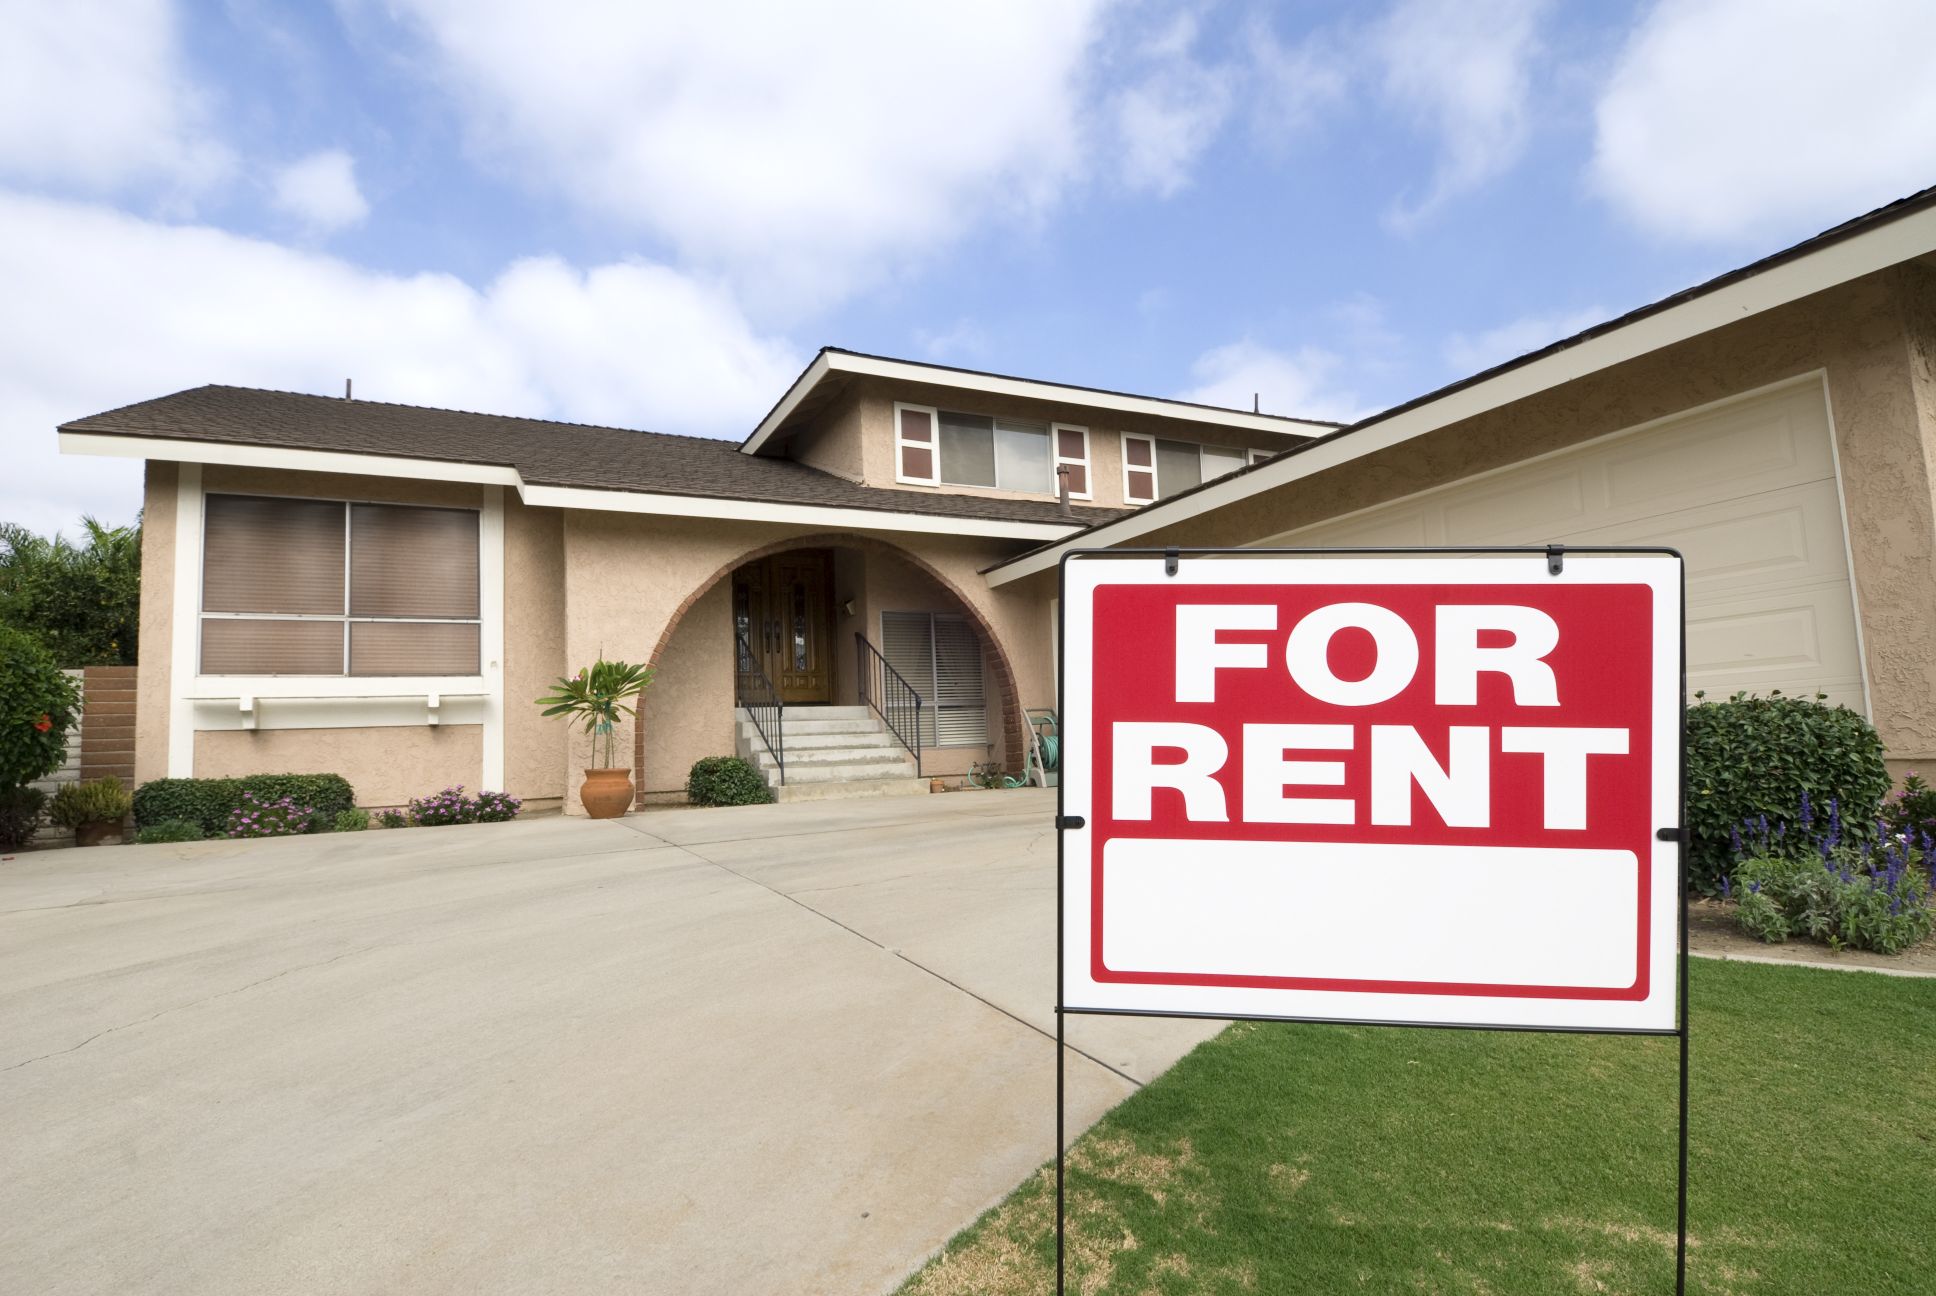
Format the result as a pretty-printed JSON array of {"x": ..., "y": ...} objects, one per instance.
[{"x": 783, "y": 611}]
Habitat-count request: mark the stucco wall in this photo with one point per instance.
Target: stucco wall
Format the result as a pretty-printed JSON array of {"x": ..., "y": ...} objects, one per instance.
[
  {"x": 157, "y": 622},
  {"x": 534, "y": 650},
  {"x": 688, "y": 710},
  {"x": 386, "y": 766},
  {"x": 1864, "y": 335},
  {"x": 630, "y": 578},
  {"x": 862, "y": 419}
]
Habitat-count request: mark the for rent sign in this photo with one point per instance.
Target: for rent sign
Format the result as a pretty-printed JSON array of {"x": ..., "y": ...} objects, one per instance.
[{"x": 1402, "y": 789}]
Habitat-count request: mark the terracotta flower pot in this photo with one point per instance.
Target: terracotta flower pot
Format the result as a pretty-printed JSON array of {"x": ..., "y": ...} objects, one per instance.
[
  {"x": 97, "y": 834},
  {"x": 606, "y": 793}
]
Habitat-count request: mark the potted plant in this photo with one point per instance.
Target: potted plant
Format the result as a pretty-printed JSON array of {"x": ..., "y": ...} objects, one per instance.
[
  {"x": 594, "y": 699},
  {"x": 93, "y": 811}
]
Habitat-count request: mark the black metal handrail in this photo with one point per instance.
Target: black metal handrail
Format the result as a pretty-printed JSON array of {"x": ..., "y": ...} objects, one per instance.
[
  {"x": 893, "y": 699},
  {"x": 754, "y": 692}
]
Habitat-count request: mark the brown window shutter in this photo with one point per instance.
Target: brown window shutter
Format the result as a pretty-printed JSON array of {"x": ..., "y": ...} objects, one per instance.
[
  {"x": 413, "y": 648},
  {"x": 272, "y": 555},
  {"x": 412, "y": 562},
  {"x": 248, "y": 646},
  {"x": 917, "y": 445}
]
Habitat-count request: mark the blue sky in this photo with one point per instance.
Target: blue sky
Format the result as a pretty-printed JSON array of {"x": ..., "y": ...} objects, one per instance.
[{"x": 651, "y": 214}]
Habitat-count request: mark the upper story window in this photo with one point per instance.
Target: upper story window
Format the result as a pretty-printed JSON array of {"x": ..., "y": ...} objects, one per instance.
[
  {"x": 328, "y": 587},
  {"x": 942, "y": 448},
  {"x": 1155, "y": 469}
]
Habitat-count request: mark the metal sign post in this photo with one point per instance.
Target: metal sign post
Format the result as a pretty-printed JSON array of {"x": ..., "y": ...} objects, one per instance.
[{"x": 1496, "y": 734}]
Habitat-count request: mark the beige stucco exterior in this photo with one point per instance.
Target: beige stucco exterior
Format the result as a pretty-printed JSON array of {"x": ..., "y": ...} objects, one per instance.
[
  {"x": 387, "y": 766},
  {"x": 648, "y": 587},
  {"x": 853, "y": 437}
]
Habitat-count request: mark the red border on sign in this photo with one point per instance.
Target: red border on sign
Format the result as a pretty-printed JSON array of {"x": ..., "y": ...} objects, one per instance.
[{"x": 1602, "y": 619}]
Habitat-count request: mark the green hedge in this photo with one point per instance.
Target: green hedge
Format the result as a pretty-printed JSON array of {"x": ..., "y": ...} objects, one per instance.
[
  {"x": 724, "y": 781},
  {"x": 38, "y": 705},
  {"x": 208, "y": 801},
  {"x": 1751, "y": 756}
]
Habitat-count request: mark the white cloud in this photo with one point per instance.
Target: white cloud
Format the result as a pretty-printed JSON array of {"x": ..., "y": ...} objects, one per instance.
[
  {"x": 1470, "y": 353},
  {"x": 1296, "y": 85},
  {"x": 1739, "y": 120},
  {"x": 1169, "y": 110},
  {"x": 1460, "y": 69},
  {"x": 95, "y": 96},
  {"x": 127, "y": 309},
  {"x": 1297, "y": 383},
  {"x": 799, "y": 147},
  {"x": 320, "y": 191}
]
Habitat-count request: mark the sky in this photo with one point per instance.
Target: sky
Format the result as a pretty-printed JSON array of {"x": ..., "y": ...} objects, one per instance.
[{"x": 651, "y": 214}]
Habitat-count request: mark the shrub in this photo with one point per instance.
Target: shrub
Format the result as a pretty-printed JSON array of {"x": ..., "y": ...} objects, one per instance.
[
  {"x": 169, "y": 830},
  {"x": 20, "y": 812},
  {"x": 1912, "y": 807},
  {"x": 258, "y": 816},
  {"x": 98, "y": 801},
  {"x": 450, "y": 806},
  {"x": 210, "y": 802},
  {"x": 392, "y": 819},
  {"x": 351, "y": 820},
  {"x": 497, "y": 807},
  {"x": 1751, "y": 757},
  {"x": 725, "y": 781},
  {"x": 1851, "y": 897},
  {"x": 38, "y": 706}
]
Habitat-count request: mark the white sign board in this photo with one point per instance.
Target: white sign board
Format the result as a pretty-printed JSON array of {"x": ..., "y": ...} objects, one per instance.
[{"x": 1396, "y": 788}]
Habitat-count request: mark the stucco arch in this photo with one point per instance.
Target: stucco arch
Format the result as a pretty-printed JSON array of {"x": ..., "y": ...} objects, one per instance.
[{"x": 1014, "y": 733}]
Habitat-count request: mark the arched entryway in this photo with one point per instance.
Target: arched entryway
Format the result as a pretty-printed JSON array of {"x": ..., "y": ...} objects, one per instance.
[{"x": 809, "y": 608}]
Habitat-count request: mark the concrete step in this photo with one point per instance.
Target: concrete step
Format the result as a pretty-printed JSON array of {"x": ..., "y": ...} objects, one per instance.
[
  {"x": 809, "y": 741},
  {"x": 823, "y": 713},
  {"x": 797, "y": 759},
  {"x": 842, "y": 771},
  {"x": 881, "y": 787}
]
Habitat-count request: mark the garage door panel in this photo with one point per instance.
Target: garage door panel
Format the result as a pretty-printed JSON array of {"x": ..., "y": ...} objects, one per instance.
[
  {"x": 1547, "y": 503},
  {"x": 1735, "y": 451},
  {"x": 1747, "y": 493},
  {"x": 1780, "y": 539}
]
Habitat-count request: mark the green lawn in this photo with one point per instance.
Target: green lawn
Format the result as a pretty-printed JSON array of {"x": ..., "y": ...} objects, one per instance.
[{"x": 1330, "y": 1159}]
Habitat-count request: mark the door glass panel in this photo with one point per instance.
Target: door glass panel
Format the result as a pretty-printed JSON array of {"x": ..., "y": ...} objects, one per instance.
[{"x": 799, "y": 625}]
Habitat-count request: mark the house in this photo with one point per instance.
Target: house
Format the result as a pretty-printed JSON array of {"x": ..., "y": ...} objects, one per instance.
[{"x": 380, "y": 590}]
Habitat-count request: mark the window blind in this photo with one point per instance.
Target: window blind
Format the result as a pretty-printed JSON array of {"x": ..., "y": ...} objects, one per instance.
[
  {"x": 412, "y": 562},
  {"x": 273, "y": 555},
  {"x": 940, "y": 656},
  {"x": 324, "y": 587}
]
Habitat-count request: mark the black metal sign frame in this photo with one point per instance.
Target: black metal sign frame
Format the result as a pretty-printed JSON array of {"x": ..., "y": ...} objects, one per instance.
[{"x": 1555, "y": 556}]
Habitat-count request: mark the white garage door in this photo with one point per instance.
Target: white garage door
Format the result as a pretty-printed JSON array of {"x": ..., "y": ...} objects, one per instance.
[{"x": 1745, "y": 490}]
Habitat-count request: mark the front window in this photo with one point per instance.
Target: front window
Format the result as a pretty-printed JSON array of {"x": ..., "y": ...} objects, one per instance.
[
  {"x": 1154, "y": 468},
  {"x": 945, "y": 448},
  {"x": 329, "y": 587}
]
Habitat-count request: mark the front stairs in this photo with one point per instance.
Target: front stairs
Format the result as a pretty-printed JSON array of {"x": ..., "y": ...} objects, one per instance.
[{"x": 831, "y": 752}]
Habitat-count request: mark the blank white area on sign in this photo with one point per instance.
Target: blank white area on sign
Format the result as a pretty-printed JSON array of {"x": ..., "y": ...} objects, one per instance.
[{"x": 1476, "y": 915}]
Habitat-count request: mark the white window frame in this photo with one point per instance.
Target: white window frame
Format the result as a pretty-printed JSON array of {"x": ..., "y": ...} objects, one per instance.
[
  {"x": 345, "y": 618},
  {"x": 933, "y": 446},
  {"x": 1086, "y": 463},
  {"x": 1156, "y": 473},
  {"x": 1156, "y": 487},
  {"x": 930, "y": 702}
]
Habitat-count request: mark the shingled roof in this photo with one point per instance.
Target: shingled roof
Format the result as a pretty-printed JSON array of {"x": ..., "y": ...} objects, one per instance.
[{"x": 543, "y": 452}]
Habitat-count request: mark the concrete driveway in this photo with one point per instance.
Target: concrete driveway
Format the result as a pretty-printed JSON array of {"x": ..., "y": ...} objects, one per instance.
[{"x": 776, "y": 1049}]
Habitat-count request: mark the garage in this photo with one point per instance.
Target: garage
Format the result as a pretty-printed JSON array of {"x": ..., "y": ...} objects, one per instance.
[{"x": 1745, "y": 488}]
